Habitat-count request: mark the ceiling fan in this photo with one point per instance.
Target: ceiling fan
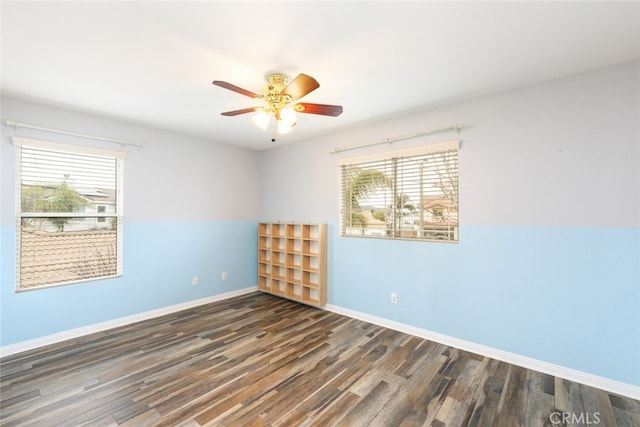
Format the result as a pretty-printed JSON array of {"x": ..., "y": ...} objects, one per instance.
[{"x": 277, "y": 97}]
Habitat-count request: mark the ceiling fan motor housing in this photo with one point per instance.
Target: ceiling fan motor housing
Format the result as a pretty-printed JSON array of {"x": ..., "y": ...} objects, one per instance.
[{"x": 271, "y": 94}]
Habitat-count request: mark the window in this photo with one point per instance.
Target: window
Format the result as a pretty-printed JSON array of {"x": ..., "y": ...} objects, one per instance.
[
  {"x": 69, "y": 213},
  {"x": 408, "y": 194}
]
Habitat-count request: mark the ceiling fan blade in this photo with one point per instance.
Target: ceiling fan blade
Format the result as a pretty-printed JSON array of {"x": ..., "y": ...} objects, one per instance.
[
  {"x": 322, "y": 109},
  {"x": 243, "y": 111},
  {"x": 300, "y": 86},
  {"x": 236, "y": 89}
]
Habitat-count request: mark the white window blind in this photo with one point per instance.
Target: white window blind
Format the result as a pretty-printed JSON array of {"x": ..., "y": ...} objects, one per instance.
[
  {"x": 69, "y": 212},
  {"x": 408, "y": 194}
]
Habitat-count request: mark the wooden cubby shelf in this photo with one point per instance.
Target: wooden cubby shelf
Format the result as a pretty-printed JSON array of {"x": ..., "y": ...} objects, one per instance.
[{"x": 292, "y": 261}]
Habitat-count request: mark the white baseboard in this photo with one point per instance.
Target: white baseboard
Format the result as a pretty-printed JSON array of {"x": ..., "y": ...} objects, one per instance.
[
  {"x": 122, "y": 321},
  {"x": 505, "y": 356}
]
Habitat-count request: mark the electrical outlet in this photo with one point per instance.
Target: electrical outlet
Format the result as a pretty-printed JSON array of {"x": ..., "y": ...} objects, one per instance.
[
  {"x": 394, "y": 298},
  {"x": 194, "y": 280},
  {"x": 224, "y": 275}
]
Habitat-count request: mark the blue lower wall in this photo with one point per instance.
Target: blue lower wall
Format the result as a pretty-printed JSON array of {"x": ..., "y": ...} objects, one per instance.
[
  {"x": 159, "y": 261},
  {"x": 567, "y": 296}
]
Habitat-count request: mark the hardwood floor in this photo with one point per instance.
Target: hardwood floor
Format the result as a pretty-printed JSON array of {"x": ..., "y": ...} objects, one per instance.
[{"x": 259, "y": 360}]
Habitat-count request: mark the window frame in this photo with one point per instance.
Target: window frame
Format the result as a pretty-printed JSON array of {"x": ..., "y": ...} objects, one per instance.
[
  {"x": 118, "y": 215},
  {"x": 397, "y": 158}
]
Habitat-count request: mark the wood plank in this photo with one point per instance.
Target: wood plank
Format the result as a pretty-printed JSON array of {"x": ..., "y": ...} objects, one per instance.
[
  {"x": 489, "y": 393},
  {"x": 513, "y": 407},
  {"x": 539, "y": 404},
  {"x": 409, "y": 402},
  {"x": 597, "y": 406}
]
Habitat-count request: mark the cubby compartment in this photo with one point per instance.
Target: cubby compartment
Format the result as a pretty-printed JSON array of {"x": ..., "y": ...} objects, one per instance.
[
  {"x": 294, "y": 291},
  {"x": 264, "y": 229},
  {"x": 264, "y": 255},
  {"x": 264, "y": 283},
  {"x": 294, "y": 275},
  {"x": 278, "y": 287},
  {"x": 310, "y": 295},
  {"x": 310, "y": 247},
  {"x": 311, "y": 231},
  {"x": 278, "y": 230},
  {"x": 311, "y": 279},
  {"x": 278, "y": 243},
  {"x": 278, "y": 257},
  {"x": 292, "y": 261},
  {"x": 264, "y": 269},
  {"x": 294, "y": 245},
  {"x": 278, "y": 273},
  {"x": 264, "y": 242},
  {"x": 294, "y": 230},
  {"x": 310, "y": 263}
]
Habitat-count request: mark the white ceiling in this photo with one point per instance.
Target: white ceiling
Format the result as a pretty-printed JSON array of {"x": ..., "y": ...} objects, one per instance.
[{"x": 153, "y": 62}]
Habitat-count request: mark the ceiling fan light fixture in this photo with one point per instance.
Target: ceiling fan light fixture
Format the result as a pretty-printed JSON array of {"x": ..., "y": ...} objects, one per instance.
[
  {"x": 261, "y": 119},
  {"x": 288, "y": 116}
]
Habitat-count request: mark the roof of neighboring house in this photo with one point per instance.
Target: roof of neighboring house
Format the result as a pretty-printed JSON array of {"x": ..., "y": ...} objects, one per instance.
[
  {"x": 98, "y": 195},
  {"x": 430, "y": 202}
]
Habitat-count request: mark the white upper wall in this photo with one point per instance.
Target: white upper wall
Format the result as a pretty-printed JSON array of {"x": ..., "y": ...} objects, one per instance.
[
  {"x": 172, "y": 178},
  {"x": 564, "y": 152},
  {"x": 561, "y": 153}
]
